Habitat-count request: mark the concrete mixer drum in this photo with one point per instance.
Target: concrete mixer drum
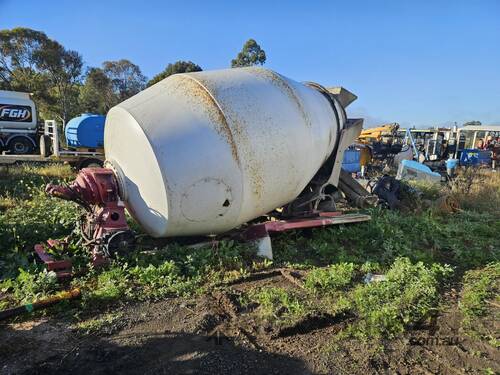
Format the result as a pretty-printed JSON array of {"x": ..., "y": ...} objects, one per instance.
[{"x": 202, "y": 153}]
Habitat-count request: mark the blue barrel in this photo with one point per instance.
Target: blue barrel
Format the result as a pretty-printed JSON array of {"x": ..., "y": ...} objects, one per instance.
[
  {"x": 451, "y": 163},
  {"x": 86, "y": 130},
  {"x": 451, "y": 166},
  {"x": 351, "y": 162}
]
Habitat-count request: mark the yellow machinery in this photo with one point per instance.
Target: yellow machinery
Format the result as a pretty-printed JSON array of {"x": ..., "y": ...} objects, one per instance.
[{"x": 378, "y": 134}]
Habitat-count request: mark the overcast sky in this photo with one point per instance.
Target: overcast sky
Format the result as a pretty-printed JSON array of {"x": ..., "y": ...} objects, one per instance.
[{"x": 418, "y": 63}]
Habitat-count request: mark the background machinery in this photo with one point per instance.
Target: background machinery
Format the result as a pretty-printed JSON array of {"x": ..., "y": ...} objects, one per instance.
[{"x": 24, "y": 139}]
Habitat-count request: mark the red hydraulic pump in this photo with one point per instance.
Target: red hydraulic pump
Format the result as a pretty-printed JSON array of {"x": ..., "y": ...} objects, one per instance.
[{"x": 104, "y": 226}]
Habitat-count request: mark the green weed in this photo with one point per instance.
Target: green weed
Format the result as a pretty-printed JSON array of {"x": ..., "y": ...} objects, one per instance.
[
  {"x": 97, "y": 325},
  {"x": 409, "y": 294},
  {"x": 28, "y": 287},
  {"x": 162, "y": 280},
  {"x": 331, "y": 278},
  {"x": 109, "y": 285},
  {"x": 479, "y": 286},
  {"x": 29, "y": 218},
  {"x": 278, "y": 304},
  {"x": 466, "y": 239}
]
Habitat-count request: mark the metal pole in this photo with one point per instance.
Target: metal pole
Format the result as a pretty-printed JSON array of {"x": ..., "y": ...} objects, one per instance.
[{"x": 457, "y": 143}]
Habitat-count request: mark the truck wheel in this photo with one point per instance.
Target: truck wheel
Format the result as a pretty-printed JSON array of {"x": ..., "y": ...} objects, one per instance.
[
  {"x": 20, "y": 146},
  {"x": 45, "y": 145}
]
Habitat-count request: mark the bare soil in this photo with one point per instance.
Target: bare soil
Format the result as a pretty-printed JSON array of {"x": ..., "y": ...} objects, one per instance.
[{"x": 214, "y": 334}]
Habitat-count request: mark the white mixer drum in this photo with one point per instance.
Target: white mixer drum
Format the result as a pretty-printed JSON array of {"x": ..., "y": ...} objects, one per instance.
[{"x": 203, "y": 152}]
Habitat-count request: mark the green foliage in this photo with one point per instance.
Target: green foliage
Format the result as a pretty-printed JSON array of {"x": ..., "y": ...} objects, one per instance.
[
  {"x": 331, "y": 278},
  {"x": 465, "y": 239},
  {"x": 28, "y": 286},
  {"x": 162, "y": 280},
  {"x": 175, "y": 68},
  {"x": 64, "y": 67},
  {"x": 251, "y": 54},
  {"x": 19, "y": 57},
  {"x": 278, "y": 303},
  {"x": 33, "y": 219},
  {"x": 110, "y": 284},
  {"x": 426, "y": 189},
  {"x": 379, "y": 309},
  {"x": 32, "y": 62},
  {"x": 126, "y": 78},
  {"x": 369, "y": 267},
  {"x": 172, "y": 271},
  {"x": 479, "y": 286},
  {"x": 410, "y": 294},
  {"x": 96, "y": 94},
  {"x": 96, "y": 325}
]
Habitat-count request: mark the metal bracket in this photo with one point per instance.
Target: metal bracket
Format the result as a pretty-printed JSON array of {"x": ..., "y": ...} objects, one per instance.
[{"x": 348, "y": 136}]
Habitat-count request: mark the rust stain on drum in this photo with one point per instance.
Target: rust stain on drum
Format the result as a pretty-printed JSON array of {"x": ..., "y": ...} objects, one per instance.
[
  {"x": 222, "y": 114},
  {"x": 193, "y": 89},
  {"x": 251, "y": 165},
  {"x": 239, "y": 124},
  {"x": 280, "y": 82}
]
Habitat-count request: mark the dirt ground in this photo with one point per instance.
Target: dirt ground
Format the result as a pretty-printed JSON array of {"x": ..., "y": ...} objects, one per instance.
[{"x": 214, "y": 334}]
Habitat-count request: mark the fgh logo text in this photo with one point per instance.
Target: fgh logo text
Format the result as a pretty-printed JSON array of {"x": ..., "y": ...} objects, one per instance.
[{"x": 14, "y": 113}]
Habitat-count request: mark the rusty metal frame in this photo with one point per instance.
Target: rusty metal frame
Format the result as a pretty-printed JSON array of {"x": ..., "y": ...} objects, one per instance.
[{"x": 260, "y": 233}]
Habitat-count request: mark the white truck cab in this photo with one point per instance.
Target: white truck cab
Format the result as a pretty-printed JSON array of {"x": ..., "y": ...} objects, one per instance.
[{"x": 18, "y": 122}]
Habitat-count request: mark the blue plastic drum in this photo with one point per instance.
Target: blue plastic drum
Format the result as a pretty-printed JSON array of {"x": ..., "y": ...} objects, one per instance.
[
  {"x": 86, "y": 130},
  {"x": 351, "y": 162}
]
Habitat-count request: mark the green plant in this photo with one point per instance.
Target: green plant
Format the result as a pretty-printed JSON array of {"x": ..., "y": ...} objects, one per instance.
[
  {"x": 465, "y": 239},
  {"x": 278, "y": 303},
  {"x": 409, "y": 294},
  {"x": 99, "y": 324},
  {"x": 479, "y": 286},
  {"x": 28, "y": 286},
  {"x": 330, "y": 278},
  {"x": 161, "y": 280},
  {"x": 33, "y": 218},
  {"x": 110, "y": 285},
  {"x": 336, "y": 258}
]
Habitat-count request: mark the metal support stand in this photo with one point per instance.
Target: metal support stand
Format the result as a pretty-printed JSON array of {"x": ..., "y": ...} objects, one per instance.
[{"x": 260, "y": 233}]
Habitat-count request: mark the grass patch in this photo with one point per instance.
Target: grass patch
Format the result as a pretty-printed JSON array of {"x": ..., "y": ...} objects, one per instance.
[
  {"x": 410, "y": 247},
  {"x": 28, "y": 216},
  {"x": 162, "y": 280},
  {"x": 409, "y": 294},
  {"x": 331, "y": 278},
  {"x": 28, "y": 287},
  {"x": 98, "y": 325},
  {"x": 480, "y": 287},
  {"x": 278, "y": 304},
  {"x": 53, "y": 170},
  {"x": 477, "y": 190},
  {"x": 466, "y": 239}
]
